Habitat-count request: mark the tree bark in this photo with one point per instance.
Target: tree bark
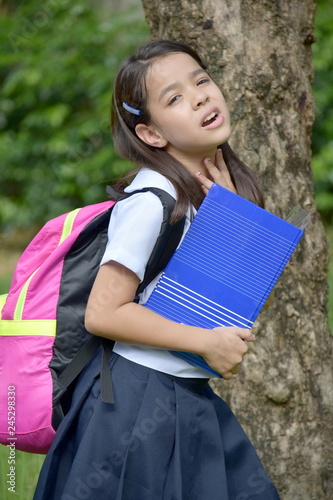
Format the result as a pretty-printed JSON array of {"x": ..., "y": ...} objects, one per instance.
[{"x": 259, "y": 52}]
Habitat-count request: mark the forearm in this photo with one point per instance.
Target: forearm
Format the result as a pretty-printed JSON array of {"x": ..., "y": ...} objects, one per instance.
[{"x": 135, "y": 324}]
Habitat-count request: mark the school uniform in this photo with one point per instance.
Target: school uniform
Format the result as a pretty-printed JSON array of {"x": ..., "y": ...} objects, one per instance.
[{"x": 167, "y": 436}]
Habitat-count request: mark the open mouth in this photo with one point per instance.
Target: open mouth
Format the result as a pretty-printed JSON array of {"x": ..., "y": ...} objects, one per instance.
[{"x": 210, "y": 119}]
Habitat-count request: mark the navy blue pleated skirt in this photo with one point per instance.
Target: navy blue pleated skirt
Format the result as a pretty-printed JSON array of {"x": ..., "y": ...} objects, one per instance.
[{"x": 165, "y": 438}]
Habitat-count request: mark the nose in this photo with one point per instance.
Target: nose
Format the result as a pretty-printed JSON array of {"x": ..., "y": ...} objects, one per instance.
[{"x": 200, "y": 98}]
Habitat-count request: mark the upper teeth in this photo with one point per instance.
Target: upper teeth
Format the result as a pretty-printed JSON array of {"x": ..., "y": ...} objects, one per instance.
[{"x": 209, "y": 117}]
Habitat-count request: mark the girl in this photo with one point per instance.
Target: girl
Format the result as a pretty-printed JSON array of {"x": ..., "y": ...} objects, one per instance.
[{"x": 167, "y": 436}]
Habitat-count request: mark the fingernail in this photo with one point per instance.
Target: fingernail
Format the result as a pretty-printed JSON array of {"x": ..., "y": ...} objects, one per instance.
[{"x": 198, "y": 173}]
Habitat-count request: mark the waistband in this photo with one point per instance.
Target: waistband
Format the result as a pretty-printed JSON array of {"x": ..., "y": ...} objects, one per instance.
[
  {"x": 192, "y": 384},
  {"x": 196, "y": 384}
]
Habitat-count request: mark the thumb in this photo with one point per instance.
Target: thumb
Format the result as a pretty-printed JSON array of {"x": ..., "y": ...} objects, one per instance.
[{"x": 246, "y": 334}]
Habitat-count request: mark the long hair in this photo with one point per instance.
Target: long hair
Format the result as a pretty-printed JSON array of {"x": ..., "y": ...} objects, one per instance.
[{"x": 130, "y": 87}]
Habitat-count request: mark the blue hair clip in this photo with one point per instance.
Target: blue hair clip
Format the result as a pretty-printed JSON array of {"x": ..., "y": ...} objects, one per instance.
[{"x": 131, "y": 110}]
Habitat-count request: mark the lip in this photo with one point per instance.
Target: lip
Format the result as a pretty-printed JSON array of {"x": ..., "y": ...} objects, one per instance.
[{"x": 217, "y": 122}]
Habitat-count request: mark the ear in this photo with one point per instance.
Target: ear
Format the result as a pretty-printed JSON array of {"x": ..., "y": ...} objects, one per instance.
[{"x": 150, "y": 135}]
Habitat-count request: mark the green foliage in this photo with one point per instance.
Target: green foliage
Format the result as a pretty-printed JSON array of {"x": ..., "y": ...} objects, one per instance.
[
  {"x": 57, "y": 65},
  {"x": 27, "y": 467},
  {"x": 322, "y": 143}
]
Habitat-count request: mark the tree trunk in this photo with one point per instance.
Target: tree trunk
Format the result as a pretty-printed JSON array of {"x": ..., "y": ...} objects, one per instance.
[{"x": 259, "y": 52}]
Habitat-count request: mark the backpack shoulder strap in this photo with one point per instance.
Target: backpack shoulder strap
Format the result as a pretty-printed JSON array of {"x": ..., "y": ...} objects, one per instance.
[
  {"x": 167, "y": 241},
  {"x": 169, "y": 236}
]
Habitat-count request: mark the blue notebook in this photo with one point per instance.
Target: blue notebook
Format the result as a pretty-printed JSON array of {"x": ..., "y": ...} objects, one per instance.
[{"x": 226, "y": 266}]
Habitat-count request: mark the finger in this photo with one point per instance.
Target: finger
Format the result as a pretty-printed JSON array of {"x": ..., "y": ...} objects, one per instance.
[
  {"x": 219, "y": 174},
  {"x": 204, "y": 181},
  {"x": 229, "y": 375},
  {"x": 219, "y": 161},
  {"x": 235, "y": 370},
  {"x": 245, "y": 334},
  {"x": 211, "y": 167},
  {"x": 205, "y": 190}
]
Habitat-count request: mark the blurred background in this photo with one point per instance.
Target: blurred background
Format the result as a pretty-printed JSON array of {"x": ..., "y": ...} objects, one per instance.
[{"x": 57, "y": 64}]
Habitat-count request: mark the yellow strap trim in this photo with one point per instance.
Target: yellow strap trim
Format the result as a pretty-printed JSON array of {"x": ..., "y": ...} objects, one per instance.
[
  {"x": 68, "y": 224},
  {"x": 28, "y": 327},
  {"x": 21, "y": 299},
  {"x": 66, "y": 231},
  {"x": 2, "y": 302}
]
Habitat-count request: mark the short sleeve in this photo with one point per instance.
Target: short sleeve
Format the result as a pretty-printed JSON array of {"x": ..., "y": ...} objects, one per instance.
[{"x": 134, "y": 227}]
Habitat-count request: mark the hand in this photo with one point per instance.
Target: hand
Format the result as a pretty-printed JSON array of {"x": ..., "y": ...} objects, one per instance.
[
  {"x": 226, "y": 349},
  {"x": 218, "y": 173}
]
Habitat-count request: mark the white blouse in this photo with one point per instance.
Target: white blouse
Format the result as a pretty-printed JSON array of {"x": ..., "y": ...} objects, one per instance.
[{"x": 133, "y": 230}]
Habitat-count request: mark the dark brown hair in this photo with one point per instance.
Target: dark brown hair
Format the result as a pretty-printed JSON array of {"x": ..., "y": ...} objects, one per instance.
[{"x": 130, "y": 87}]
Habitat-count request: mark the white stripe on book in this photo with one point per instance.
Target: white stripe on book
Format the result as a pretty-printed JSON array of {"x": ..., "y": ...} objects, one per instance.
[
  {"x": 202, "y": 298},
  {"x": 195, "y": 310},
  {"x": 223, "y": 314},
  {"x": 237, "y": 216}
]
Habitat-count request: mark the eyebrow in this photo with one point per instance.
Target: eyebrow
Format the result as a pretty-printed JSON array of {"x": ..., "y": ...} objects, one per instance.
[{"x": 174, "y": 85}]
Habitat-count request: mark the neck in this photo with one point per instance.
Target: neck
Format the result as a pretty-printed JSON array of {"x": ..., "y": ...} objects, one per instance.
[{"x": 195, "y": 163}]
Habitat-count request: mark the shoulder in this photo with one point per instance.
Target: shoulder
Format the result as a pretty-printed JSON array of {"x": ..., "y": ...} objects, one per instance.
[
  {"x": 134, "y": 227},
  {"x": 145, "y": 204},
  {"x": 148, "y": 178}
]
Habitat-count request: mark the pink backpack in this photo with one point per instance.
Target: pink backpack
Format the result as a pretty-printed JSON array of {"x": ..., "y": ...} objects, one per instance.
[{"x": 43, "y": 343}]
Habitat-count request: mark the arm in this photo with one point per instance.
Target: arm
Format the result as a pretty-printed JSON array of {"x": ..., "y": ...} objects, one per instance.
[{"x": 111, "y": 313}]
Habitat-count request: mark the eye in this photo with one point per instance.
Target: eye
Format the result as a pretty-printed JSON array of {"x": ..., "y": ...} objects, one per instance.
[
  {"x": 203, "y": 80},
  {"x": 173, "y": 99}
]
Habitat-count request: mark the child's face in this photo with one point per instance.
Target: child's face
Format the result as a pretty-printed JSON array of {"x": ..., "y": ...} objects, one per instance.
[{"x": 181, "y": 96}]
